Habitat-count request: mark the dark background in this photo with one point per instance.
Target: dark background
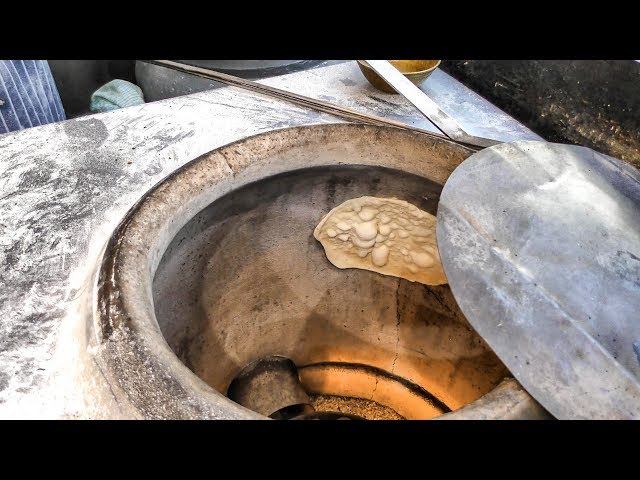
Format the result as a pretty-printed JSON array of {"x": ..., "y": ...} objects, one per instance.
[{"x": 595, "y": 103}]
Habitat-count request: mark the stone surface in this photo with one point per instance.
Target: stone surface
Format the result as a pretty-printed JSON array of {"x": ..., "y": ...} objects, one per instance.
[
  {"x": 508, "y": 401},
  {"x": 64, "y": 188}
]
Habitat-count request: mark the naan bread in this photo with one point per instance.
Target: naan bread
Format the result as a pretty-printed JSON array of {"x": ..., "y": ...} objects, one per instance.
[{"x": 384, "y": 235}]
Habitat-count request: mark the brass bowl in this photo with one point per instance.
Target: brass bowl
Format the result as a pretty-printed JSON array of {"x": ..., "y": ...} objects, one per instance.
[{"x": 415, "y": 70}]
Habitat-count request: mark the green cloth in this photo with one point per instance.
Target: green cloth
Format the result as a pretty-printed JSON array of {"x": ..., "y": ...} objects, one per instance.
[{"x": 116, "y": 94}]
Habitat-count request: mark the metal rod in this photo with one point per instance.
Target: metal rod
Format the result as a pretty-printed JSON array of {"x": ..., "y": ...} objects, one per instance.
[
  {"x": 297, "y": 99},
  {"x": 425, "y": 105}
]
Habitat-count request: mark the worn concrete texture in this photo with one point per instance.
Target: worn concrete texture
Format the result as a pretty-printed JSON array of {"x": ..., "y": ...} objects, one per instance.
[{"x": 64, "y": 187}]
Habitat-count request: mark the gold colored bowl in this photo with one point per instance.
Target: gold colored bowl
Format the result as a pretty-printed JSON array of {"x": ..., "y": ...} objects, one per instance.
[{"x": 415, "y": 70}]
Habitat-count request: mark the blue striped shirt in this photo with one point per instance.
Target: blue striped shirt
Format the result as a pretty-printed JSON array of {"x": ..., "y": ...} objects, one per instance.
[{"x": 28, "y": 95}]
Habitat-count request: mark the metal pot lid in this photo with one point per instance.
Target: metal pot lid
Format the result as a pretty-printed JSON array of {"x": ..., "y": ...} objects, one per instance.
[{"x": 540, "y": 243}]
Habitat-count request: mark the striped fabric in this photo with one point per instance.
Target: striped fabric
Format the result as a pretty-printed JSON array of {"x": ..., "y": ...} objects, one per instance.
[{"x": 28, "y": 95}]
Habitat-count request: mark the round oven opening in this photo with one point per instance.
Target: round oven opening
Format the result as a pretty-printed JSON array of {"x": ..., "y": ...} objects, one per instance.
[{"x": 245, "y": 279}]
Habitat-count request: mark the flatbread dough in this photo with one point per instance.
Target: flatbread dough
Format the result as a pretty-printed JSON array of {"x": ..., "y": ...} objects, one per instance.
[{"x": 384, "y": 235}]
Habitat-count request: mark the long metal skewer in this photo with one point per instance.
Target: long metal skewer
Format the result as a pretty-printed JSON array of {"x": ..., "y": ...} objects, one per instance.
[
  {"x": 425, "y": 105},
  {"x": 298, "y": 99}
]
